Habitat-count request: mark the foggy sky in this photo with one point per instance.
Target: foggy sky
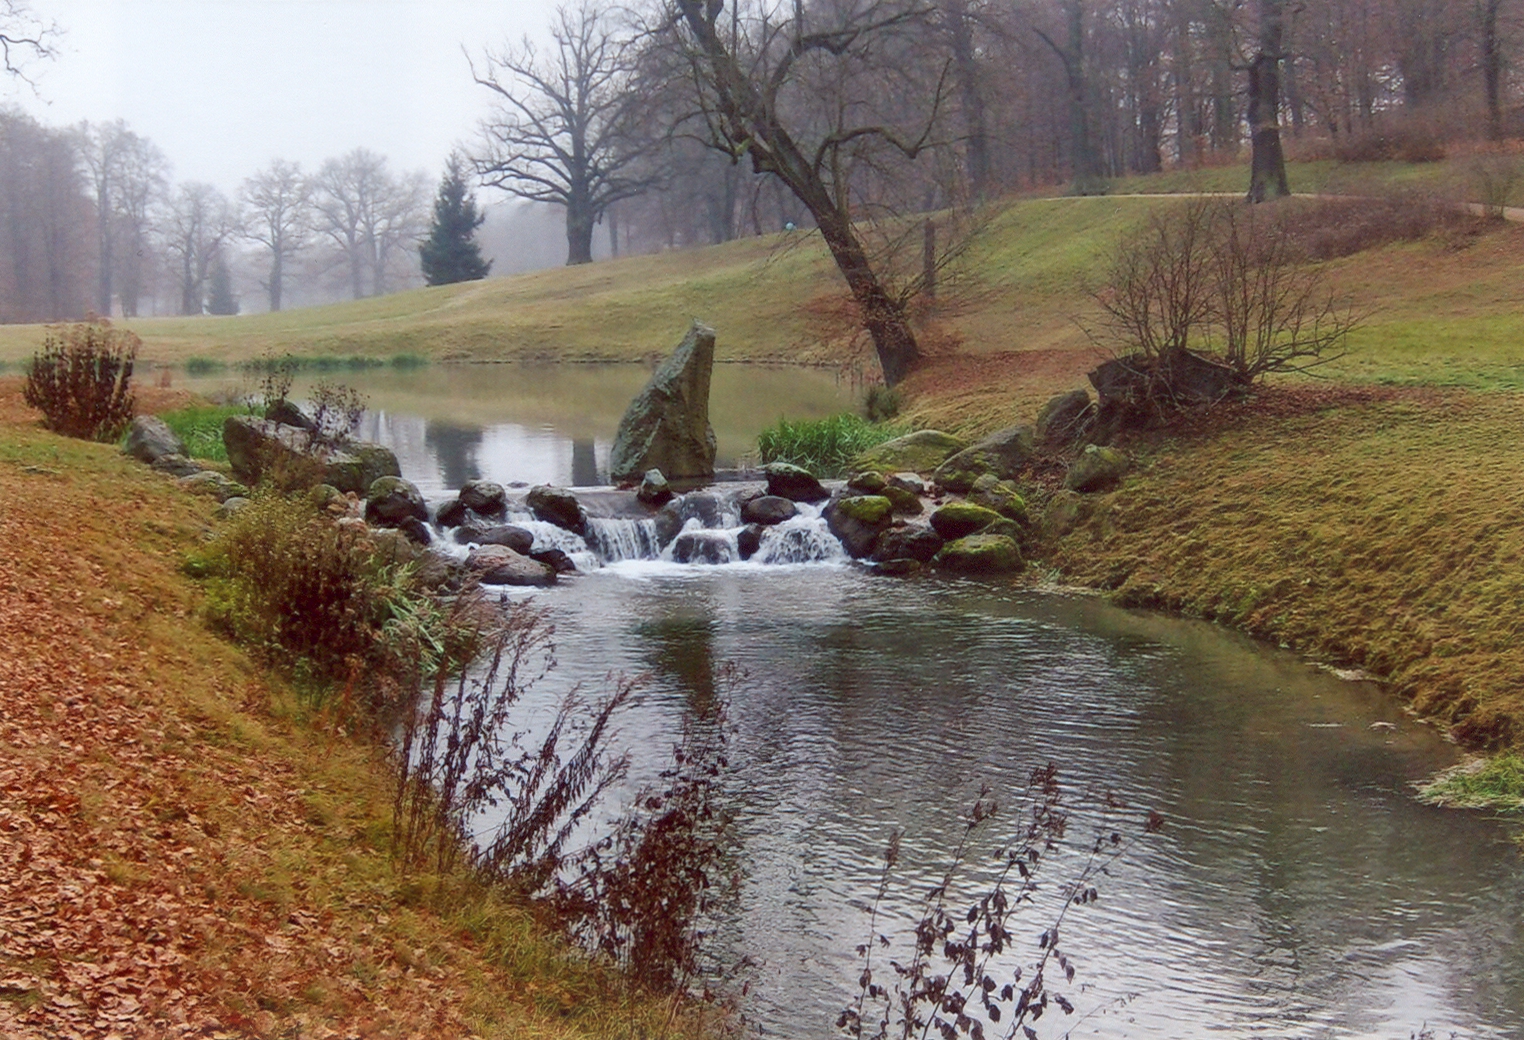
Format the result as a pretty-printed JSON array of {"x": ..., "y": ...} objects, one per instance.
[{"x": 225, "y": 86}]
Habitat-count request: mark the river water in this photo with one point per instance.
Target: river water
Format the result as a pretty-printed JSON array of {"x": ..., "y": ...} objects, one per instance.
[{"x": 1296, "y": 890}]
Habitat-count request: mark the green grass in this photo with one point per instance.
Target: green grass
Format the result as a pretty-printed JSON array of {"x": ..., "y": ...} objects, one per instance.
[
  {"x": 203, "y": 366},
  {"x": 1482, "y": 783},
  {"x": 825, "y": 447},
  {"x": 201, "y": 429}
]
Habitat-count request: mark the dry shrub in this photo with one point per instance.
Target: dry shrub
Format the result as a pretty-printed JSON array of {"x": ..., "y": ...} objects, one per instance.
[
  {"x": 1330, "y": 228},
  {"x": 81, "y": 380}
]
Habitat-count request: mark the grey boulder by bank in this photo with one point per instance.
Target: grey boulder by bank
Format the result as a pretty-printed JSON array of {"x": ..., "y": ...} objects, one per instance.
[{"x": 667, "y": 425}]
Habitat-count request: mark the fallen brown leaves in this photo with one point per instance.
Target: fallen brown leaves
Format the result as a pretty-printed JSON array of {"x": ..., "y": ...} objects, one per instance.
[{"x": 162, "y": 870}]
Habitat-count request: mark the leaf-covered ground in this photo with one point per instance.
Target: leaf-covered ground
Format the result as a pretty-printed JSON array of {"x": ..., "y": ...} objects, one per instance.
[{"x": 177, "y": 858}]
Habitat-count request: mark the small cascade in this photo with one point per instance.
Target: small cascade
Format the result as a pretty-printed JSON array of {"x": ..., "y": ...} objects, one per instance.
[
  {"x": 710, "y": 535},
  {"x": 618, "y": 540},
  {"x": 804, "y": 539}
]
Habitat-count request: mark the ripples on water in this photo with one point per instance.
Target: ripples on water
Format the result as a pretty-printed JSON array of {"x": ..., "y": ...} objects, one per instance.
[{"x": 1297, "y": 889}]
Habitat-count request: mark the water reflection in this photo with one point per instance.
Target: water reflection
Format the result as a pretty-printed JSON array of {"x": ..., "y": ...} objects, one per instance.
[{"x": 1297, "y": 891}]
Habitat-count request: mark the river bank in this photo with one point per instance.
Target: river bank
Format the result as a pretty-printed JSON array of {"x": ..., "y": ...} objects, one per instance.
[{"x": 184, "y": 851}]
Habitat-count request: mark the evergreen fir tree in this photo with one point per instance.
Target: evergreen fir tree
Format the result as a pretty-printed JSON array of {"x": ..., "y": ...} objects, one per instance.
[
  {"x": 451, "y": 253},
  {"x": 220, "y": 298}
]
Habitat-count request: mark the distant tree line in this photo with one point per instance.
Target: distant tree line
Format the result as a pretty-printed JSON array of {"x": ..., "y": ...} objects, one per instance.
[{"x": 91, "y": 221}]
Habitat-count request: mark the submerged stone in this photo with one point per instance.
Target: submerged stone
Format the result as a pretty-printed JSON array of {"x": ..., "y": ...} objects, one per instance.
[{"x": 667, "y": 425}]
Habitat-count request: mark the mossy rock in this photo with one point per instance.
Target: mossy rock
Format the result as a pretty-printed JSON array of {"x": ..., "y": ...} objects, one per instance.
[
  {"x": 1066, "y": 509},
  {"x": 919, "y": 452},
  {"x": 867, "y": 483},
  {"x": 1003, "y": 454},
  {"x": 959, "y": 473},
  {"x": 866, "y": 509},
  {"x": 981, "y": 554},
  {"x": 960, "y": 519},
  {"x": 1000, "y": 495},
  {"x": 906, "y": 503},
  {"x": 1097, "y": 469}
]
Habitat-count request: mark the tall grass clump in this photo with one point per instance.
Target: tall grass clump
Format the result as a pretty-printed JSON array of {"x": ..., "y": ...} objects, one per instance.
[
  {"x": 81, "y": 380},
  {"x": 825, "y": 447},
  {"x": 1483, "y": 783},
  {"x": 408, "y": 361},
  {"x": 204, "y": 366},
  {"x": 200, "y": 427}
]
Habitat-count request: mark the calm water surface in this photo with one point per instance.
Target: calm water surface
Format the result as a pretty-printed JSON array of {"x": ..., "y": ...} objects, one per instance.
[{"x": 1297, "y": 890}]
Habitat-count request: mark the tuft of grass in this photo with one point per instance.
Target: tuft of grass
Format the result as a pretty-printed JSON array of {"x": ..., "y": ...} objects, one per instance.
[
  {"x": 825, "y": 447},
  {"x": 204, "y": 366},
  {"x": 408, "y": 361},
  {"x": 1482, "y": 783},
  {"x": 200, "y": 427}
]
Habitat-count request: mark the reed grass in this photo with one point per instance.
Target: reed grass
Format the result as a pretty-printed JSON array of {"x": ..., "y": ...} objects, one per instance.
[
  {"x": 200, "y": 427},
  {"x": 825, "y": 447}
]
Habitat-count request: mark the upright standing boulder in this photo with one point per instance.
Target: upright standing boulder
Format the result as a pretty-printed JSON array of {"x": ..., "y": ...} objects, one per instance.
[{"x": 667, "y": 425}]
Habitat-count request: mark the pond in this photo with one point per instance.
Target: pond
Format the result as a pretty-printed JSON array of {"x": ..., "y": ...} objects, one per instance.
[
  {"x": 1297, "y": 888},
  {"x": 547, "y": 423}
]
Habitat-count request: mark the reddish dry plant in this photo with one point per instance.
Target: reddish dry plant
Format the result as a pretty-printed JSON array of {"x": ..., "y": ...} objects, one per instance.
[{"x": 81, "y": 380}]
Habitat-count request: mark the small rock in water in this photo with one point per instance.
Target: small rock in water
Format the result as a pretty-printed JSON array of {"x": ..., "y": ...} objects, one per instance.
[
  {"x": 654, "y": 489},
  {"x": 749, "y": 540},
  {"x": 484, "y": 498},
  {"x": 515, "y": 538},
  {"x": 794, "y": 483},
  {"x": 555, "y": 559},
  {"x": 557, "y": 506},
  {"x": 702, "y": 547},
  {"x": 500, "y": 565},
  {"x": 768, "y": 510},
  {"x": 391, "y": 501}
]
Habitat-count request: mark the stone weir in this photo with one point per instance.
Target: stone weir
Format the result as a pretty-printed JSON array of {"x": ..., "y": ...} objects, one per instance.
[{"x": 527, "y": 535}]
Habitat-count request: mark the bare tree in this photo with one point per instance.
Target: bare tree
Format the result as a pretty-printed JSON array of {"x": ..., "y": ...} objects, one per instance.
[
  {"x": 142, "y": 178},
  {"x": 23, "y": 37},
  {"x": 369, "y": 215},
  {"x": 46, "y": 223},
  {"x": 122, "y": 169},
  {"x": 562, "y": 130},
  {"x": 277, "y": 213},
  {"x": 199, "y": 221},
  {"x": 812, "y": 99}
]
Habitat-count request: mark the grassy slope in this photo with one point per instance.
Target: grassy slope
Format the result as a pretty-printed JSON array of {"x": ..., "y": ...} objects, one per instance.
[{"x": 218, "y": 861}]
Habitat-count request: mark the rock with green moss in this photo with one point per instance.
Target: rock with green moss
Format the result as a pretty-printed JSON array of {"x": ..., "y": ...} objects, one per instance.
[
  {"x": 1097, "y": 469},
  {"x": 858, "y": 521},
  {"x": 919, "y": 452},
  {"x": 867, "y": 482},
  {"x": 392, "y": 501},
  {"x": 1004, "y": 455},
  {"x": 959, "y": 519},
  {"x": 1000, "y": 495},
  {"x": 1063, "y": 514},
  {"x": 1063, "y": 419},
  {"x": 983, "y": 554},
  {"x": 908, "y": 542},
  {"x": 905, "y": 503}
]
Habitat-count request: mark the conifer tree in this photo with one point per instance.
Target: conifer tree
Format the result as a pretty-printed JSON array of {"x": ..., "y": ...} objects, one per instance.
[
  {"x": 220, "y": 298},
  {"x": 451, "y": 253}
]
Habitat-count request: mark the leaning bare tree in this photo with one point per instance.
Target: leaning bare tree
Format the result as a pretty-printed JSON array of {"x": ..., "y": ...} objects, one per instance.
[
  {"x": 562, "y": 132},
  {"x": 809, "y": 96}
]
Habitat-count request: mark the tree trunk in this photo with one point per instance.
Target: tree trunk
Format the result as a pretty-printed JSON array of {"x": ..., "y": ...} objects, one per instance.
[
  {"x": 883, "y": 316},
  {"x": 1267, "y": 165},
  {"x": 579, "y": 238},
  {"x": 277, "y": 276},
  {"x": 966, "y": 72},
  {"x": 1492, "y": 69}
]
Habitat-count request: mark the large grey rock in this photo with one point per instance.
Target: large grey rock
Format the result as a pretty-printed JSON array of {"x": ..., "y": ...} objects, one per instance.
[
  {"x": 500, "y": 565},
  {"x": 557, "y": 506},
  {"x": 256, "y": 446},
  {"x": 794, "y": 483},
  {"x": 288, "y": 414},
  {"x": 1097, "y": 469},
  {"x": 149, "y": 438},
  {"x": 1004, "y": 454},
  {"x": 667, "y": 425},
  {"x": 391, "y": 501}
]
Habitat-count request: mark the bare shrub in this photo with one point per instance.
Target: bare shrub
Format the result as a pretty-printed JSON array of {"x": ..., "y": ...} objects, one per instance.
[
  {"x": 960, "y": 977},
  {"x": 1330, "y": 228},
  {"x": 336, "y": 412},
  {"x": 1207, "y": 298},
  {"x": 81, "y": 380},
  {"x": 1495, "y": 179}
]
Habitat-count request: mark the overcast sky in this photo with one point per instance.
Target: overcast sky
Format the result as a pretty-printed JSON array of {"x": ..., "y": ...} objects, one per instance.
[{"x": 225, "y": 86}]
